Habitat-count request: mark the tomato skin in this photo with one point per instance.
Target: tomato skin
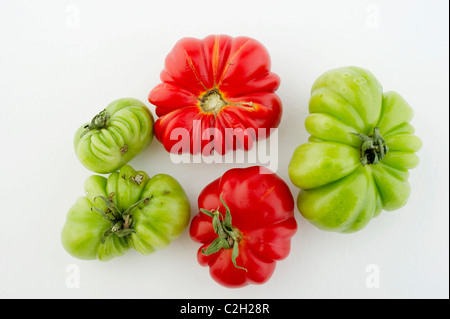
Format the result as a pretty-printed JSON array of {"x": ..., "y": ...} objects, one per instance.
[
  {"x": 341, "y": 188},
  {"x": 162, "y": 214},
  {"x": 238, "y": 70},
  {"x": 128, "y": 130},
  {"x": 262, "y": 209}
]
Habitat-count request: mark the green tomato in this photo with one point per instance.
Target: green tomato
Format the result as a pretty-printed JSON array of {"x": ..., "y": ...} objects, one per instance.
[
  {"x": 126, "y": 210},
  {"x": 356, "y": 161},
  {"x": 114, "y": 136}
]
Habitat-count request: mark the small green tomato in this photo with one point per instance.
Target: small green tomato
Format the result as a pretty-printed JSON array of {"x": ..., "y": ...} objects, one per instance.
[{"x": 114, "y": 136}]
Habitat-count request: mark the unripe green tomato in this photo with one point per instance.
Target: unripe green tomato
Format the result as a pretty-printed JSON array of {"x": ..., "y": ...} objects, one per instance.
[
  {"x": 360, "y": 150},
  {"x": 126, "y": 210},
  {"x": 114, "y": 136}
]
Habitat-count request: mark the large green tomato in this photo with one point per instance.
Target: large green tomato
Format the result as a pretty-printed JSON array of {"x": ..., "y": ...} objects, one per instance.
[
  {"x": 114, "y": 136},
  {"x": 127, "y": 210},
  {"x": 357, "y": 159}
]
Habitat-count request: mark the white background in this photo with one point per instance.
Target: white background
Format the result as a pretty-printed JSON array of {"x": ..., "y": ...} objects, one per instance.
[{"x": 61, "y": 62}]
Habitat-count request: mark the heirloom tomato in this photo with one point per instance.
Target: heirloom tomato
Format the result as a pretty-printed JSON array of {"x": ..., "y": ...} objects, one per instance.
[
  {"x": 114, "y": 136},
  {"x": 245, "y": 225},
  {"x": 217, "y": 94},
  {"x": 127, "y": 210},
  {"x": 357, "y": 159}
]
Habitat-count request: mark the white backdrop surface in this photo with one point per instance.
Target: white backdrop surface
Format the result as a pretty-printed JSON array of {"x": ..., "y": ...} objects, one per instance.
[{"x": 61, "y": 62}]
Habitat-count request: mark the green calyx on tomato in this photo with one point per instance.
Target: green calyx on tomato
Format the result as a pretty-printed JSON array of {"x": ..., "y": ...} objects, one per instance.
[
  {"x": 114, "y": 136},
  {"x": 356, "y": 162},
  {"x": 126, "y": 210},
  {"x": 373, "y": 147},
  {"x": 229, "y": 236},
  {"x": 100, "y": 121},
  {"x": 121, "y": 222}
]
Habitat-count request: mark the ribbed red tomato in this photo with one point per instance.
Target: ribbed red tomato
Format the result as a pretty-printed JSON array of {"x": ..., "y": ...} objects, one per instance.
[
  {"x": 245, "y": 225},
  {"x": 217, "y": 94}
]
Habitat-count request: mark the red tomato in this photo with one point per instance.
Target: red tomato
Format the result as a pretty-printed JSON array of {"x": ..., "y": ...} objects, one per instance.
[
  {"x": 214, "y": 88},
  {"x": 245, "y": 224}
]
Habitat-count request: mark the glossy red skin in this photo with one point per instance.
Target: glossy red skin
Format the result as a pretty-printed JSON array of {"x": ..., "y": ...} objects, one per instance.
[
  {"x": 262, "y": 208},
  {"x": 239, "y": 68}
]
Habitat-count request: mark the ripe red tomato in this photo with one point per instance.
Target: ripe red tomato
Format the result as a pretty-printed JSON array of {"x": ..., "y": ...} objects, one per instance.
[
  {"x": 245, "y": 225},
  {"x": 217, "y": 94}
]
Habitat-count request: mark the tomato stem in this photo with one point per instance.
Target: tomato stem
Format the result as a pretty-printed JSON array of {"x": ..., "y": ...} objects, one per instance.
[
  {"x": 373, "y": 147},
  {"x": 99, "y": 122},
  {"x": 121, "y": 222},
  {"x": 229, "y": 236},
  {"x": 212, "y": 102}
]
